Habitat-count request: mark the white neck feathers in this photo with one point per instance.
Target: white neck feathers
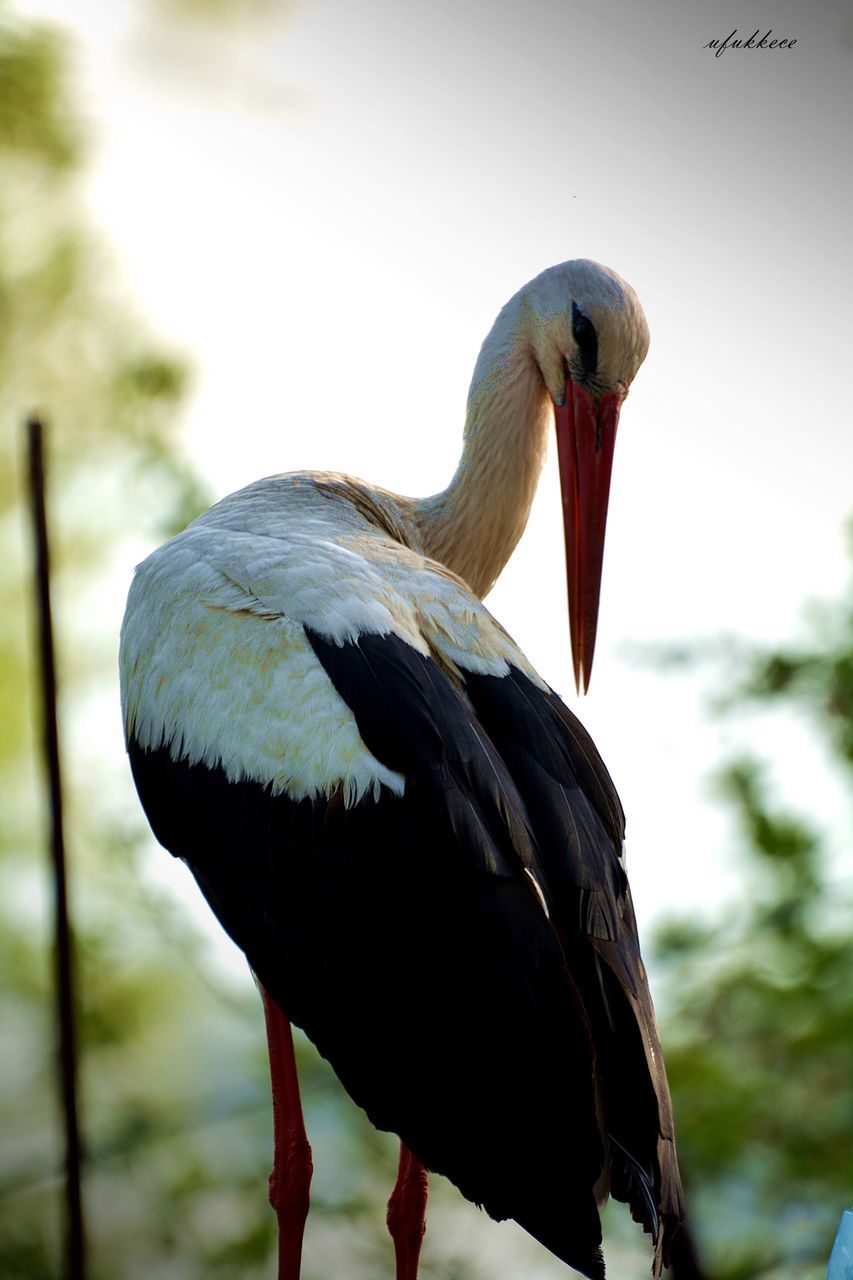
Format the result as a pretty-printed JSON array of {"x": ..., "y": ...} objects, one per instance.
[{"x": 474, "y": 525}]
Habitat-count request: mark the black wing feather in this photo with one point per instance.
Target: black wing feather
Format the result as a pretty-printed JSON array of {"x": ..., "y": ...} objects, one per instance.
[
  {"x": 403, "y": 934},
  {"x": 579, "y": 824}
]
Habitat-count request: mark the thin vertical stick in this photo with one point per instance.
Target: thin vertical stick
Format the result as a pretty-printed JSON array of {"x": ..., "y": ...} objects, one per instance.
[{"x": 75, "y": 1236}]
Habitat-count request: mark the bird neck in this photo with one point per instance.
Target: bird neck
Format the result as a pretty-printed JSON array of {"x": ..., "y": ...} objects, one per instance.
[{"x": 473, "y": 526}]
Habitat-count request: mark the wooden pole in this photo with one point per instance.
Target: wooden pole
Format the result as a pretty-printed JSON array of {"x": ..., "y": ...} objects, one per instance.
[{"x": 75, "y": 1244}]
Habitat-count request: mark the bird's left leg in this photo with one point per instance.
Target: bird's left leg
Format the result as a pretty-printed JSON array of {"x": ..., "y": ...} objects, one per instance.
[
  {"x": 290, "y": 1179},
  {"x": 406, "y": 1216}
]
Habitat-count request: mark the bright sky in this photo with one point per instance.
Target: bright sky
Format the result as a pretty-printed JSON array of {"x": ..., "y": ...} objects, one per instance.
[{"x": 326, "y": 214}]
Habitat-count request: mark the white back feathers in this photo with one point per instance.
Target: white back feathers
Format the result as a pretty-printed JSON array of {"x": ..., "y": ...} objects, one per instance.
[{"x": 215, "y": 663}]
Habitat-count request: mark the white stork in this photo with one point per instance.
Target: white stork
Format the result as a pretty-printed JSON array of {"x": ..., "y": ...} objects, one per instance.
[{"x": 413, "y": 840}]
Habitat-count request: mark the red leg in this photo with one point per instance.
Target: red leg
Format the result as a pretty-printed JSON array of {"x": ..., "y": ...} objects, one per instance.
[
  {"x": 292, "y": 1166},
  {"x": 406, "y": 1215}
]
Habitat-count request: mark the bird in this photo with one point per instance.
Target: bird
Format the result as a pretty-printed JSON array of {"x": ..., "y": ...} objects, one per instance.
[{"x": 410, "y": 835}]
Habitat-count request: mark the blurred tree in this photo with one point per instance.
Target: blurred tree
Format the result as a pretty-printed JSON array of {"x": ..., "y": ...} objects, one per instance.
[{"x": 759, "y": 1027}]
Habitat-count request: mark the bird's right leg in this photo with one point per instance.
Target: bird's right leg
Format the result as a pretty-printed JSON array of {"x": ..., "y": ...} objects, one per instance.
[
  {"x": 290, "y": 1179},
  {"x": 406, "y": 1217}
]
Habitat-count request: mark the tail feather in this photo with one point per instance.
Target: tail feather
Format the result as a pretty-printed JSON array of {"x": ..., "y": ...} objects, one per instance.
[{"x": 634, "y": 1186}]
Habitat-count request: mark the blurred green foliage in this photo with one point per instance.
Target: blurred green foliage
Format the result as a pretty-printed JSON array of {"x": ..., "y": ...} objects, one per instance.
[
  {"x": 759, "y": 1025},
  {"x": 219, "y": 12},
  {"x": 35, "y": 120}
]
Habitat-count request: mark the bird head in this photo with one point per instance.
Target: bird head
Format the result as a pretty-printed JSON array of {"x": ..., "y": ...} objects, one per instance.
[{"x": 588, "y": 336}]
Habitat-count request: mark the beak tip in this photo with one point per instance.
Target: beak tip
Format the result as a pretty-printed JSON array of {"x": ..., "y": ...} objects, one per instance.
[
  {"x": 582, "y": 682},
  {"x": 582, "y": 663}
]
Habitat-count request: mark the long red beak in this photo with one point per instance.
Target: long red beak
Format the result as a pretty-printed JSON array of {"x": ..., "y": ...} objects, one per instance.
[{"x": 586, "y": 434}]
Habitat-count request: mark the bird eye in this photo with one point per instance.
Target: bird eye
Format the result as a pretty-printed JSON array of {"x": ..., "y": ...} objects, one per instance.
[{"x": 583, "y": 332}]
